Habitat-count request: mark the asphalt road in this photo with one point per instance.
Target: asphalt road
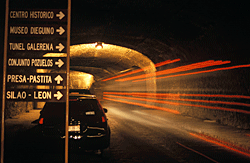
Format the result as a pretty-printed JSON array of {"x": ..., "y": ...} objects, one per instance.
[{"x": 138, "y": 135}]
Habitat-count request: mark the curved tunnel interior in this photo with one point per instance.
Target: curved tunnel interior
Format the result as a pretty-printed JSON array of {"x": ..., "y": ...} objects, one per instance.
[
  {"x": 105, "y": 62},
  {"x": 116, "y": 73},
  {"x": 168, "y": 72}
]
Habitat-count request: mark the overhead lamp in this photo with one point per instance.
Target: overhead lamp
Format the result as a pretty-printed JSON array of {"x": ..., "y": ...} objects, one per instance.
[{"x": 98, "y": 45}]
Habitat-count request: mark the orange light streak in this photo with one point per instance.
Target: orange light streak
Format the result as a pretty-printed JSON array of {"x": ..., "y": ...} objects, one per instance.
[
  {"x": 199, "y": 72},
  {"x": 178, "y": 95},
  {"x": 197, "y": 152},
  {"x": 144, "y": 105},
  {"x": 166, "y": 62},
  {"x": 222, "y": 144},
  {"x": 177, "y": 104},
  {"x": 140, "y": 70},
  {"x": 177, "y": 69},
  {"x": 192, "y": 100}
]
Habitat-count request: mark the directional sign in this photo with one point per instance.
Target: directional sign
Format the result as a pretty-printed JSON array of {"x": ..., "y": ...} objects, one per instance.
[
  {"x": 60, "y": 30},
  {"x": 60, "y": 15},
  {"x": 37, "y": 30},
  {"x": 58, "y": 95},
  {"x": 36, "y": 95},
  {"x": 59, "y": 63},
  {"x": 39, "y": 15},
  {"x": 37, "y": 46},
  {"x": 60, "y": 47},
  {"x": 58, "y": 79},
  {"x": 44, "y": 63},
  {"x": 55, "y": 79},
  {"x": 33, "y": 33}
]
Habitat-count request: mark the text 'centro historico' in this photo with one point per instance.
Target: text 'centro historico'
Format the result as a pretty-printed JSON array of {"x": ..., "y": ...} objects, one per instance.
[
  {"x": 32, "y": 33},
  {"x": 32, "y": 14}
]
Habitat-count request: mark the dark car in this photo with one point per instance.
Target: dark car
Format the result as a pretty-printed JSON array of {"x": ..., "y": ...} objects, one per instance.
[{"x": 88, "y": 125}]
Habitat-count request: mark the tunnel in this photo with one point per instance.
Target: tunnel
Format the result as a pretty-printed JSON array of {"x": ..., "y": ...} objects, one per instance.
[
  {"x": 185, "y": 58},
  {"x": 205, "y": 89},
  {"x": 171, "y": 77},
  {"x": 200, "y": 75},
  {"x": 193, "y": 63}
]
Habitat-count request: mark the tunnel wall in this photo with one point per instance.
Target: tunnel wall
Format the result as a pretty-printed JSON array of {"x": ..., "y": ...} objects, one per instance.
[
  {"x": 216, "y": 96},
  {"x": 15, "y": 108},
  {"x": 218, "y": 93},
  {"x": 212, "y": 96},
  {"x": 191, "y": 41}
]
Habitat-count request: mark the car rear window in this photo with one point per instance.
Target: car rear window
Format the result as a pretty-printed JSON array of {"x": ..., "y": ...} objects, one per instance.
[{"x": 86, "y": 107}]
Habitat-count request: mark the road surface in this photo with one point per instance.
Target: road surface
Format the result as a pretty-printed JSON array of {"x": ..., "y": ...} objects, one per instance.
[{"x": 137, "y": 135}]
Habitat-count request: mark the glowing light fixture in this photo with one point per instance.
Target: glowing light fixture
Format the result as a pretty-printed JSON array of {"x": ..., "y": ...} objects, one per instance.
[{"x": 98, "y": 45}]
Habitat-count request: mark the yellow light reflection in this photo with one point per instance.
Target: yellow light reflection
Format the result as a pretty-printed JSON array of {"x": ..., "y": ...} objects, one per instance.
[
  {"x": 98, "y": 45},
  {"x": 80, "y": 80},
  {"x": 55, "y": 55}
]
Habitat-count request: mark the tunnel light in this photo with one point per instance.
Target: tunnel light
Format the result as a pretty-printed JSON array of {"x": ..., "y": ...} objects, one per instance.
[{"x": 98, "y": 45}]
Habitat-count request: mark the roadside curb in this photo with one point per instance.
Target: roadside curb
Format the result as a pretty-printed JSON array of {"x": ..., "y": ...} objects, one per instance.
[
  {"x": 224, "y": 143},
  {"x": 232, "y": 137},
  {"x": 226, "y": 134}
]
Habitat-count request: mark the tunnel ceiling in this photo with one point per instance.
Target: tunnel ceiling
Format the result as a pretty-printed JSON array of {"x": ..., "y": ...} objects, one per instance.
[
  {"x": 108, "y": 61},
  {"x": 190, "y": 30},
  {"x": 160, "y": 30}
]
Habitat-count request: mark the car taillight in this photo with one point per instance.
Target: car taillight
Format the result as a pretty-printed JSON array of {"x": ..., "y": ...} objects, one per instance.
[
  {"x": 41, "y": 121},
  {"x": 72, "y": 99},
  {"x": 103, "y": 119}
]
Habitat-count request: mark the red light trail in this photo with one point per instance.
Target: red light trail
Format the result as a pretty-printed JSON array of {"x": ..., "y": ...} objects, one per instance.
[
  {"x": 199, "y": 72},
  {"x": 193, "y": 66},
  {"x": 183, "y": 104},
  {"x": 144, "y": 105},
  {"x": 222, "y": 144},
  {"x": 178, "y": 95},
  {"x": 192, "y": 100},
  {"x": 140, "y": 70},
  {"x": 197, "y": 152}
]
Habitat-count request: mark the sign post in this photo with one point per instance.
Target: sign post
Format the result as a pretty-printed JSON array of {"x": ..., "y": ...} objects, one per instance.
[
  {"x": 27, "y": 39},
  {"x": 4, "y": 77},
  {"x": 68, "y": 75}
]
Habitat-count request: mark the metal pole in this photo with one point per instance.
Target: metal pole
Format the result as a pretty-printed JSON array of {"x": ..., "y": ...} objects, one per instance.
[
  {"x": 68, "y": 76},
  {"x": 4, "y": 78}
]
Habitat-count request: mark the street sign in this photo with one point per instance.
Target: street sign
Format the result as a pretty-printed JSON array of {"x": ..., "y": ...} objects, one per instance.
[
  {"x": 29, "y": 32},
  {"x": 44, "y": 63},
  {"x": 52, "y": 79},
  {"x": 38, "y": 30},
  {"x": 44, "y": 95},
  {"x": 56, "y": 46},
  {"x": 33, "y": 33},
  {"x": 55, "y": 15}
]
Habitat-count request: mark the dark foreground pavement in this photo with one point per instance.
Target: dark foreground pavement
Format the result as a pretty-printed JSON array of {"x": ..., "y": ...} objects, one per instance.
[{"x": 132, "y": 139}]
